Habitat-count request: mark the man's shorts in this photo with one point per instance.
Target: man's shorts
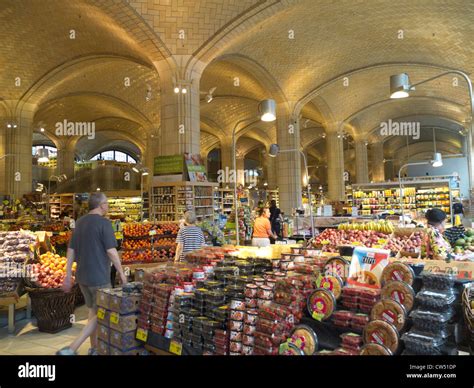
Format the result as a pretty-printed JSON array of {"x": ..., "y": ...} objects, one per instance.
[{"x": 90, "y": 294}]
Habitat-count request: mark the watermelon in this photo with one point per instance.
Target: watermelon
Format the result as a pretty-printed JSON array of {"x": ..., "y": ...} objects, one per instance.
[{"x": 460, "y": 242}]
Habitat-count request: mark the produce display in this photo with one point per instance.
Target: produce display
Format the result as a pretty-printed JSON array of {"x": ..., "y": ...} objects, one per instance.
[
  {"x": 149, "y": 242},
  {"x": 330, "y": 239},
  {"x": 411, "y": 243},
  {"x": 376, "y": 226},
  {"x": 50, "y": 272}
]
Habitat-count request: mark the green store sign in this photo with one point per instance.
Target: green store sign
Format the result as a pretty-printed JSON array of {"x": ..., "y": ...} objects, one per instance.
[{"x": 168, "y": 165}]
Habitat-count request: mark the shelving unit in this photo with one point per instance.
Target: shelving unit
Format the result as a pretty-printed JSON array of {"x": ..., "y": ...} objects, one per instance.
[
  {"x": 226, "y": 200},
  {"x": 273, "y": 195},
  {"x": 419, "y": 195},
  {"x": 169, "y": 201},
  {"x": 124, "y": 207},
  {"x": 57, "y": 203}
]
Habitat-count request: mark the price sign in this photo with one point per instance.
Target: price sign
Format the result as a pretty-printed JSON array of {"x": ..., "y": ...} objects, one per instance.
[
  {"x": 176, "y": 348},
  {"x": 62, "y": 233},
  {"x": 101, "y": 313},
  {"x": 152, "y": 232},
  {"x": 114, "y": 318},
  {"x": 142, "y": 334}
]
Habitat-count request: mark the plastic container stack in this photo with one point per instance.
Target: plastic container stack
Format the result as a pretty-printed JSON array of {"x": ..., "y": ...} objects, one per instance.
[{"x": 430, "y": 320}]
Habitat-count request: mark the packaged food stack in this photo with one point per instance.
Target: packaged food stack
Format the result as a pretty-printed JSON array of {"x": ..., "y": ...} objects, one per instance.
[
  {"x": 360, "y": 299},
  {"x": 159, "y": 307},
  {"x": 120, "y": 306},
  {"x": 352, "y": 342},
  {"x": 248, "y": 338},
  {"x": 14, "y": 252},
  {"x": 236, "y": 326},
  {"x": 202, "y": 337},
  {"x": 431, "y": 318},
  {"x": 183, "y": 325},
  {"x": 350, "y": 319},
  {"x": 274, "y": 325},
  {"x": 380, "y": 336},
  {"x": 221, "y": 342}
]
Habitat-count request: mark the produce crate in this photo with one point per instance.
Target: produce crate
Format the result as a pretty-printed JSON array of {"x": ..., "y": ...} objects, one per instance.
[{"x": 52, "y": 308}]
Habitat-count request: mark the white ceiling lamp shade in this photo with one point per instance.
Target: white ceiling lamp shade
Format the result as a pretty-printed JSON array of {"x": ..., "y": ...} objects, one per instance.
[
  {"x": 273, "y": 150},
  {"x": 267, "y": 110},
  {"x": 437, "y": 160},
  {"x": 400, "y": 86},
  {"x": 43, "y": 155}
]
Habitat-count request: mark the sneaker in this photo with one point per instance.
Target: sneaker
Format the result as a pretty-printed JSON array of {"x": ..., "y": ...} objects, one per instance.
[
  {"x": 67, "y": 351},
  {"x": 92, "y": 352}
]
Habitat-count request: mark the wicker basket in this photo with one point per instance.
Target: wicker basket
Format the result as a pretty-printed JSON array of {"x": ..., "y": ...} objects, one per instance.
[{"x": 52, "y": 308}]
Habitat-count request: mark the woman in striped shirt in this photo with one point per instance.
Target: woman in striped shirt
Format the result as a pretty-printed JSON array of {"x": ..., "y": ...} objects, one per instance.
[{"x": 190, "y": 236}]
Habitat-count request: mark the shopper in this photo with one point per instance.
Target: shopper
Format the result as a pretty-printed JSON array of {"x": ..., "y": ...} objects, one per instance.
[
  {"x": 190, "y": 237},
  {"x": 438, "y": 247},
  {"x": 275, "y": 218},
  {"x": 262, "y": 229},
  {"x": 93, "y": 247}
]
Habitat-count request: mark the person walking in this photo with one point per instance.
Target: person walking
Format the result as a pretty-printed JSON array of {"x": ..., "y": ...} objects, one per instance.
[
  {"x": 93, "y": 247},
  {"x": 190, "y": 237},
  {"x": 262, "y": 229}
]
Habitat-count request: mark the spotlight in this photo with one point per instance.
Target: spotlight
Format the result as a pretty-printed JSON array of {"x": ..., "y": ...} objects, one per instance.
[
  {"x": 176, "y": 90},
  {"x": 184, "y": 90}
]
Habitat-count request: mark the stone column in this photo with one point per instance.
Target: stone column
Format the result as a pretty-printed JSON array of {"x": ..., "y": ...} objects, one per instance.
[
  {"x": 271, "y": 172},
  {"x": 180, "y": 125},
  {"x": 335, "y": 155},
  {"x": 378, "y": 165},
  {"x": 18, "y": 142},
  {"x": 65, "y": 159},
  {"x": 240, "y": 165},
  {"x": 361, "y": 161},
  {"x": 288, "y": 163}
]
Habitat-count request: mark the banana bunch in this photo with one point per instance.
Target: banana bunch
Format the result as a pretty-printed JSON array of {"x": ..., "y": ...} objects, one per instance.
[{"x": 377, "y": 226}]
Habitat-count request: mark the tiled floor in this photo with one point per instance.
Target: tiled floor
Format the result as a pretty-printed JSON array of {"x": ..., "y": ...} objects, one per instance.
[{"x": 28, "y": 340}]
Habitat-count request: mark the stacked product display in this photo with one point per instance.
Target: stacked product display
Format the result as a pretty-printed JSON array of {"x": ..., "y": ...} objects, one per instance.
[
  {"x": 118, "y": 316},
  {"x": 16, "y": 248},
  {"x": 435, "y": 309}
]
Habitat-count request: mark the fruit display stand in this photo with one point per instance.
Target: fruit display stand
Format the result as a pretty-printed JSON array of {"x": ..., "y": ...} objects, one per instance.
[
  {"x": 169, "y": 201},
  {"x": 51, "y": 306},
  {"x": 148, "y": 242}
]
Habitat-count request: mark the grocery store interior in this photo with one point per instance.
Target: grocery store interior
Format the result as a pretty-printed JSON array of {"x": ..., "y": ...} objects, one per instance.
[{"x": 350, "y": 121}]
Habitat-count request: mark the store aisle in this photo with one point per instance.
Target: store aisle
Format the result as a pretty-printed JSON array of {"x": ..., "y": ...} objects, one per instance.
[{"x": 28, "y": 341}]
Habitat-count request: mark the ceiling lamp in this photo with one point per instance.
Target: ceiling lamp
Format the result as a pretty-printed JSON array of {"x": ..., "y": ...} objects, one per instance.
[
  {"x": 43, "y": 155},
  {"x": 400, "y": 86},
  {"x": 268, "y": 110},
  {"x": 437, "y": 160},
  {"x": 273, "y": 150},
  {"x": 176, "y": 90}
]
